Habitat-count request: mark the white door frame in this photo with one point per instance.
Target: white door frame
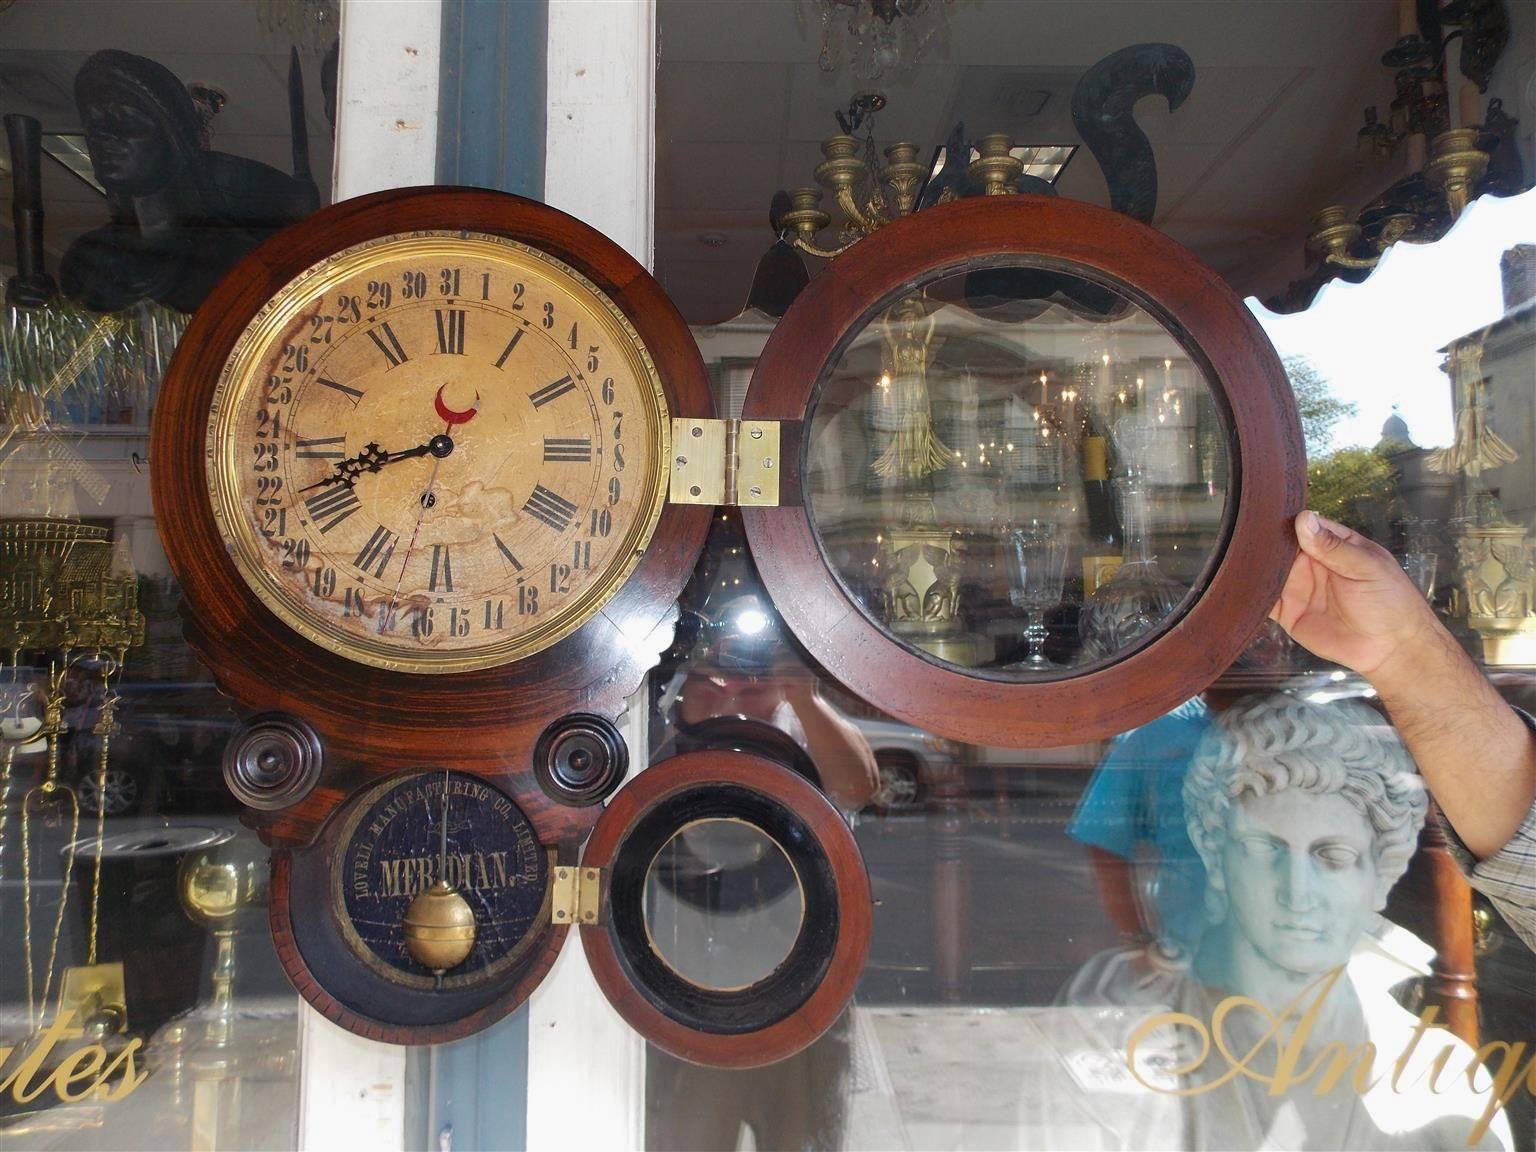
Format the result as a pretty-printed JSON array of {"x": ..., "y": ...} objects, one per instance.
[
  {"x": 586, "y": 1067},
  {"x": 352, "y": 1090}
]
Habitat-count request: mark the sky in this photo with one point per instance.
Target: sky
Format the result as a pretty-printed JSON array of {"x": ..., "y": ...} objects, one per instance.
[{"x": 1378, "y": 343}]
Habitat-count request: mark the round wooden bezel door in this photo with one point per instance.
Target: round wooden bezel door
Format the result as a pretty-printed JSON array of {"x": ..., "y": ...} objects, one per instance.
[
  {"x": 341, "y": 908},
  {"x": 411, "y": 455},
  {"x": 1086, "y": 266},
  {"x": 710, "y": 848}
]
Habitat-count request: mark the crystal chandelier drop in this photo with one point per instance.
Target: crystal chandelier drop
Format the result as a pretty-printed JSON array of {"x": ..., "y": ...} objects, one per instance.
[{"x": 876, "y": 35}]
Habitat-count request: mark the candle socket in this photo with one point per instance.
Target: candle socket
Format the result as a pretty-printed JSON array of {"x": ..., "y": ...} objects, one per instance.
[{"x": 1456, "y": 163}]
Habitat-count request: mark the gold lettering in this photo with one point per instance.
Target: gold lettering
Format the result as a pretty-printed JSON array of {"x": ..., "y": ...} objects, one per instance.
[
  {"x": 1506, "y": 1081},
  {"x": 86, "y": 1066},
  {"x": 69, "y": 1071},
  {"x": 1363, "y": 1058},
  {"x": 1426, "y": 1020},
  {"x": 1335, "y": 1062},
  {"x": 20, "y": 1079},
  {"x": 499, "y": 862},
  {"x": 132, "y": 1077},
  {"x": 1439, "y": 1067},
  {"x": 1172, "y": 1020}
]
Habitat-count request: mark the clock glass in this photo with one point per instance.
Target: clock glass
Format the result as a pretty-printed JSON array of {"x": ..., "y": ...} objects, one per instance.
[
  {"x": 437, "y": 451},
  {"x": 1020, "y": 471}
]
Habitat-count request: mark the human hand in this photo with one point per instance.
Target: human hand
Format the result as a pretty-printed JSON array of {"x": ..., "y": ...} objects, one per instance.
[{"x": 1348, "y": 600}]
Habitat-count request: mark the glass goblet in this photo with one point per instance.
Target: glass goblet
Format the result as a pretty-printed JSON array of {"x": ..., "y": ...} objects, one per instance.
[{"x": 1037, "y": 565}]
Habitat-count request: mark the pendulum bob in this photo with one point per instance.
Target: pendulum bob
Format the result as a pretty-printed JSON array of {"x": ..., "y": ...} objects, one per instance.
[{"x": 439, "y": 928}]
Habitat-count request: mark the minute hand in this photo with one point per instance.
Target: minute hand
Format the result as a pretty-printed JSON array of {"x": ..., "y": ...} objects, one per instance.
[{"x": 372, "y": 458}]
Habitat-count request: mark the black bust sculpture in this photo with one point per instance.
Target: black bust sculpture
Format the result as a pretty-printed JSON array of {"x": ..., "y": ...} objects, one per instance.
[{"x": 180, "y": 216}]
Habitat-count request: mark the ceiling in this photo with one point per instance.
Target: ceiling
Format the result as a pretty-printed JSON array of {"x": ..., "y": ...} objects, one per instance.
[{"x": 1266, "y": 138}]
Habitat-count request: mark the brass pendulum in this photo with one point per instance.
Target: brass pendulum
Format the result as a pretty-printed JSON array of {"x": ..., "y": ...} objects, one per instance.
[{"x": 439, "y": 924}]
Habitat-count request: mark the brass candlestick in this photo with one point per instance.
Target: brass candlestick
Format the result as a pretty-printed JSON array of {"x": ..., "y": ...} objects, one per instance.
[
  {"x": 1333, "y": 235},
  {"x": 219, "y": 887},
  {"x": 1456, "y": 164}
]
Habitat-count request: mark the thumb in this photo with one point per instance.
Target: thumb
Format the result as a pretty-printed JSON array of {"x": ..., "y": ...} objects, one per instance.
[{"x": 1336, "y": 548}]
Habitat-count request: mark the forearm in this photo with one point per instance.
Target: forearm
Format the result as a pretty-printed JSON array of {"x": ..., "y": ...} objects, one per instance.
[
  {"x": 1476, "y": 755},
  {"x": 841, "y": 753}
]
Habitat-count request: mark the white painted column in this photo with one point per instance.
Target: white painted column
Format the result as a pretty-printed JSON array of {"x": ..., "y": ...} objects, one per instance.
[
  {"x": 586, "y": 1067},
  {"x": 600, "y": 136},
  {"x": 386, "y": 95},
  {"x": 352, "y": 1090}
]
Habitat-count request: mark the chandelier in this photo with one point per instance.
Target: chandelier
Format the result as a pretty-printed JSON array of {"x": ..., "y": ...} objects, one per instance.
[
  {"x": 873, "y": 35},
  {"x": 871, "y": 192},
  {"x": 1455, "y": 148}
]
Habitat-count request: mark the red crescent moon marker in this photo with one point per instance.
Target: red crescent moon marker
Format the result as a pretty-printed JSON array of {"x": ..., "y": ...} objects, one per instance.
[{"x": 449, "y": 416}]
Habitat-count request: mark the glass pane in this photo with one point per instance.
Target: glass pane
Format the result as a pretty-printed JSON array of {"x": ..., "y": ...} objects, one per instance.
[
  {"x": 1018, "y": 470},
  {"x": 723, "y": 905},
  {"x": 146, "y": 152}
]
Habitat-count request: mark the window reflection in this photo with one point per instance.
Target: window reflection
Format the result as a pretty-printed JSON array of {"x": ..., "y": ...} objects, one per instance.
[
  {"x": 141, "y": 1003},
  {"x": 1018, "y": 470}
]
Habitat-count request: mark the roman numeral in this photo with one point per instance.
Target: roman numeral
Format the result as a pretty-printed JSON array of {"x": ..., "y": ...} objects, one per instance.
[
  {"x": 330, "y": 506},
  {"x": 568, "y": 449},
  {"x": 507, "y": 351},
  {"x": 517, "y": 565},
  {"x": 442, "y": 570},
  {"x": 325, "y": 448},
  {"x": 376, "y": 553},
  {"x": 343, "y": 389},
  {"x": 450, "y": 331},
  {"x": 550, "y": 507},
  {"x": 388, "y": 344},
  {"x": 552, "y": 391}
]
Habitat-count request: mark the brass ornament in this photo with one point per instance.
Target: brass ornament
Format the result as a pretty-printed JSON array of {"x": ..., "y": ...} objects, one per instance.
[
  {"x": 1456, "y": 164},
  {"x": 439, "y": 928}
]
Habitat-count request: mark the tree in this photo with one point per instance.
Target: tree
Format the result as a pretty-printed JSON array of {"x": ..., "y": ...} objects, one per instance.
[
  {"x": 1320, "y": 411},
  {"x": 1341, "y": 483}
]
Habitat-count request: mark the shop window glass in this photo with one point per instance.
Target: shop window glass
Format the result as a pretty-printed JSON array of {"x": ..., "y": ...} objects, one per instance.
[
  {"x": 1036, "y": 909},
  {"x": 150, "y": 147}
]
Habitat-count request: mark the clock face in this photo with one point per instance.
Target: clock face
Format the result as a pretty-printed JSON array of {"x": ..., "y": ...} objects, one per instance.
[{"x": 437, "y": 451}]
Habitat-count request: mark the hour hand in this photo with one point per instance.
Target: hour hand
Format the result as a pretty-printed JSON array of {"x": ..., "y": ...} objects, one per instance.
[{"x": 372, "y": 458}]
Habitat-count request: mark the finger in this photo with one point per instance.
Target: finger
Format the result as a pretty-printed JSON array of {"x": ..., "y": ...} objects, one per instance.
[
  {"x": 1297, "y": 592},
  {"x": 1340, "y": 550}
]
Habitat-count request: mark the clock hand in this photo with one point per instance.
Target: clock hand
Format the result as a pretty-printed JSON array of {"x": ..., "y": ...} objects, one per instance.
[
  {"x": 426, "y": 502},
  {"x": 373, "y": 458}
]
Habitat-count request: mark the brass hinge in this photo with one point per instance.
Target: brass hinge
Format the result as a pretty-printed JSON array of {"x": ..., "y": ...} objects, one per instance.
[
  {"x": 733, "y": 462},
  {"x": 576, "y": 894}
]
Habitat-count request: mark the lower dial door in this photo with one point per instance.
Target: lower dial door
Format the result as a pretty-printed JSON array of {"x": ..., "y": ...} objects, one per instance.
[
  {"x": 424, "y": 911},
  {"x": 733, "y": 908}
]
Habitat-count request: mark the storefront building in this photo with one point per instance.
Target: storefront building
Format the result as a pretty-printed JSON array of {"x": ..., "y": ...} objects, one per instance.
[{"x": 762, "y": 641}]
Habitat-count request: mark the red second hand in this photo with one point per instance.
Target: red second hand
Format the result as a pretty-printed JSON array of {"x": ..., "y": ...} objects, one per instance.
[{"x": 450, "y": 418}]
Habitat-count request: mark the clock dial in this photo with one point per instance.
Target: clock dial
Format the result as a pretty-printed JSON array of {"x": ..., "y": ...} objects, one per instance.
[{"x": 438, "y": 451}]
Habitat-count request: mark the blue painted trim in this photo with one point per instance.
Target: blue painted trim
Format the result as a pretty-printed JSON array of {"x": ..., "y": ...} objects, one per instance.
[{"x": 492, "y": 95}]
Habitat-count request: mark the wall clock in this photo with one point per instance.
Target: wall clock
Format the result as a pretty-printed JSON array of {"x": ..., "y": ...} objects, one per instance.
[
  {"x": 411, "y": 468},
  {"x": 433, "y": 466}
]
